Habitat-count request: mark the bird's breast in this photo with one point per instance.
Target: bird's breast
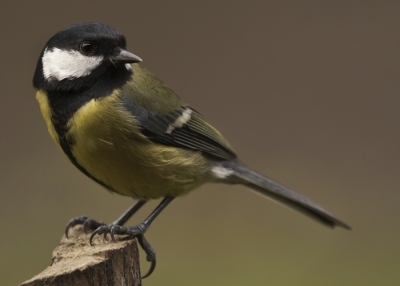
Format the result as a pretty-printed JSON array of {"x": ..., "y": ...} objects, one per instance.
[
  {"x": 46, "y": 110},
  {"x": 106, "y": 144}
]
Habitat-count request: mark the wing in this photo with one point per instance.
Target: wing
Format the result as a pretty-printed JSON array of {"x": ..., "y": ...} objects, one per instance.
[{"x": 166, "y": 119}]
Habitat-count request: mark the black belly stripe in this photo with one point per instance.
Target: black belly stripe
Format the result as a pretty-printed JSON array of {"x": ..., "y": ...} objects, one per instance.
[
  {"x": 67, "y": 150},
  {"x": 64, "y": 106},
  {"x": 65, "y": 97}
]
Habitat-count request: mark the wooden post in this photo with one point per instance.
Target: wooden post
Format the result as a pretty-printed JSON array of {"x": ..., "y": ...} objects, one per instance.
[{"x": 77, "y": 263}]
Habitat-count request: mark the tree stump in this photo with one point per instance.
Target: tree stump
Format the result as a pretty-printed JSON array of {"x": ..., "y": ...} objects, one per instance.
[{"x": 105, "y": 263}]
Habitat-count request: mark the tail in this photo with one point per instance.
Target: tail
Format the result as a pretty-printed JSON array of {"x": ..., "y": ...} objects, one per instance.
[{"x": 236, "y": 172}]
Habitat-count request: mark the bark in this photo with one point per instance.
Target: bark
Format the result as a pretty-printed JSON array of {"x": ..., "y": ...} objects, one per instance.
[{"x": 75, "y": 262}]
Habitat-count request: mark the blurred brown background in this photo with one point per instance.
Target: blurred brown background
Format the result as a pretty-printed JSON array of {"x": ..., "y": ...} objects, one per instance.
[{"x": 306, "y": 91}]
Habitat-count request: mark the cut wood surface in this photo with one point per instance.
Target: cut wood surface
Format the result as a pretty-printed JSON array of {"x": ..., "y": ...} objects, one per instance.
[{"x": 77, "y": 263}]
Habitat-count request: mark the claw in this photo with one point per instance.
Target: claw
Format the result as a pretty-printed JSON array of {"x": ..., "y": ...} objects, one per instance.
[
  {"x": 73, "y": 222},
  {"x": 151, "y": 270},
  {"x": 105, "y": 229},
  {"x": 151, "y": 254},
  {"x": 112, "y": 233},
  {"x": 98, "y": 231},
  {"x": 88, "y": 224}
]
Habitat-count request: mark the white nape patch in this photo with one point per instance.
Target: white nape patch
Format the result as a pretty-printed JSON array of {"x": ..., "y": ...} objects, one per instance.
[
  {"x": 183, "y": 119},
  {"x": 62, "y": 64},
  {"x": 128, "y": 67},
  {"x": 221, "y": 172}
]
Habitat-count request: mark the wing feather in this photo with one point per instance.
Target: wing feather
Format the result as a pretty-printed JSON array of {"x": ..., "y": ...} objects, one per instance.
[{"x": 166, "y": 119}]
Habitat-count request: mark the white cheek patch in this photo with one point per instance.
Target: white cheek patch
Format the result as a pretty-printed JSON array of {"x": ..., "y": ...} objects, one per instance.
[{"x": 62, "y": 64}]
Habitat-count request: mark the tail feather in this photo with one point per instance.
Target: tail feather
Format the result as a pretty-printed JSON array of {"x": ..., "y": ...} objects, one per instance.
[{"x": 267, "y": 187}]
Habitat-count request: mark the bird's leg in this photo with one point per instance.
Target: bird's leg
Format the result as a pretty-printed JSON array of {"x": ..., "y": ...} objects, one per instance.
[
  {"x": 132, "y": 231},
  {"x": 135, "y": 231},
  {"x": 129, "y": 213},
  {"x": 90, "y": 224}
]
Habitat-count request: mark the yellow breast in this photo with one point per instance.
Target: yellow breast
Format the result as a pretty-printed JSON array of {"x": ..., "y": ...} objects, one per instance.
[
  {"x": 41, "y": 97},
  {"x": 106, "y": 141}
]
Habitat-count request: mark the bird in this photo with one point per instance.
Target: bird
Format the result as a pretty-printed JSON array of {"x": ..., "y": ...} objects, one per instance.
[{"x": 128, "y": 131}]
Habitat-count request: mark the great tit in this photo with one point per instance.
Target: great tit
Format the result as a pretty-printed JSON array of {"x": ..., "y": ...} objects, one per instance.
[{"x": 129, "y": 132}]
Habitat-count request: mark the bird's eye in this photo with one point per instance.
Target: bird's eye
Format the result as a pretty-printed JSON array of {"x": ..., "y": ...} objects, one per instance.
[{"x": 87, "y": 48}]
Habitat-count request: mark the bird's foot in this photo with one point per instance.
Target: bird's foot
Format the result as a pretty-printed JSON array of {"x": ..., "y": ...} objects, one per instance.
[
  {"x": 88, "y": 224},
  {"x": 100, "y": 228},
  {"x": 131, "y": 232},
  {"x": 150, "y": 254}
]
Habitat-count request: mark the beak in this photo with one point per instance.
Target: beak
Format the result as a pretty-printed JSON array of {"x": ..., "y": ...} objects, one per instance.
[{"x": 126, "y": 57}]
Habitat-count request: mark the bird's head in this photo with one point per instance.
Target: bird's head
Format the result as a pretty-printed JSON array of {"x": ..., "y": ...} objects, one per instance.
[{"x": 82, "y": 55}]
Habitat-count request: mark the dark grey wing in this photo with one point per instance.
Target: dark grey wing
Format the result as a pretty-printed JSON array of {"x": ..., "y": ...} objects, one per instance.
[{"x": 182, "y": 127}]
